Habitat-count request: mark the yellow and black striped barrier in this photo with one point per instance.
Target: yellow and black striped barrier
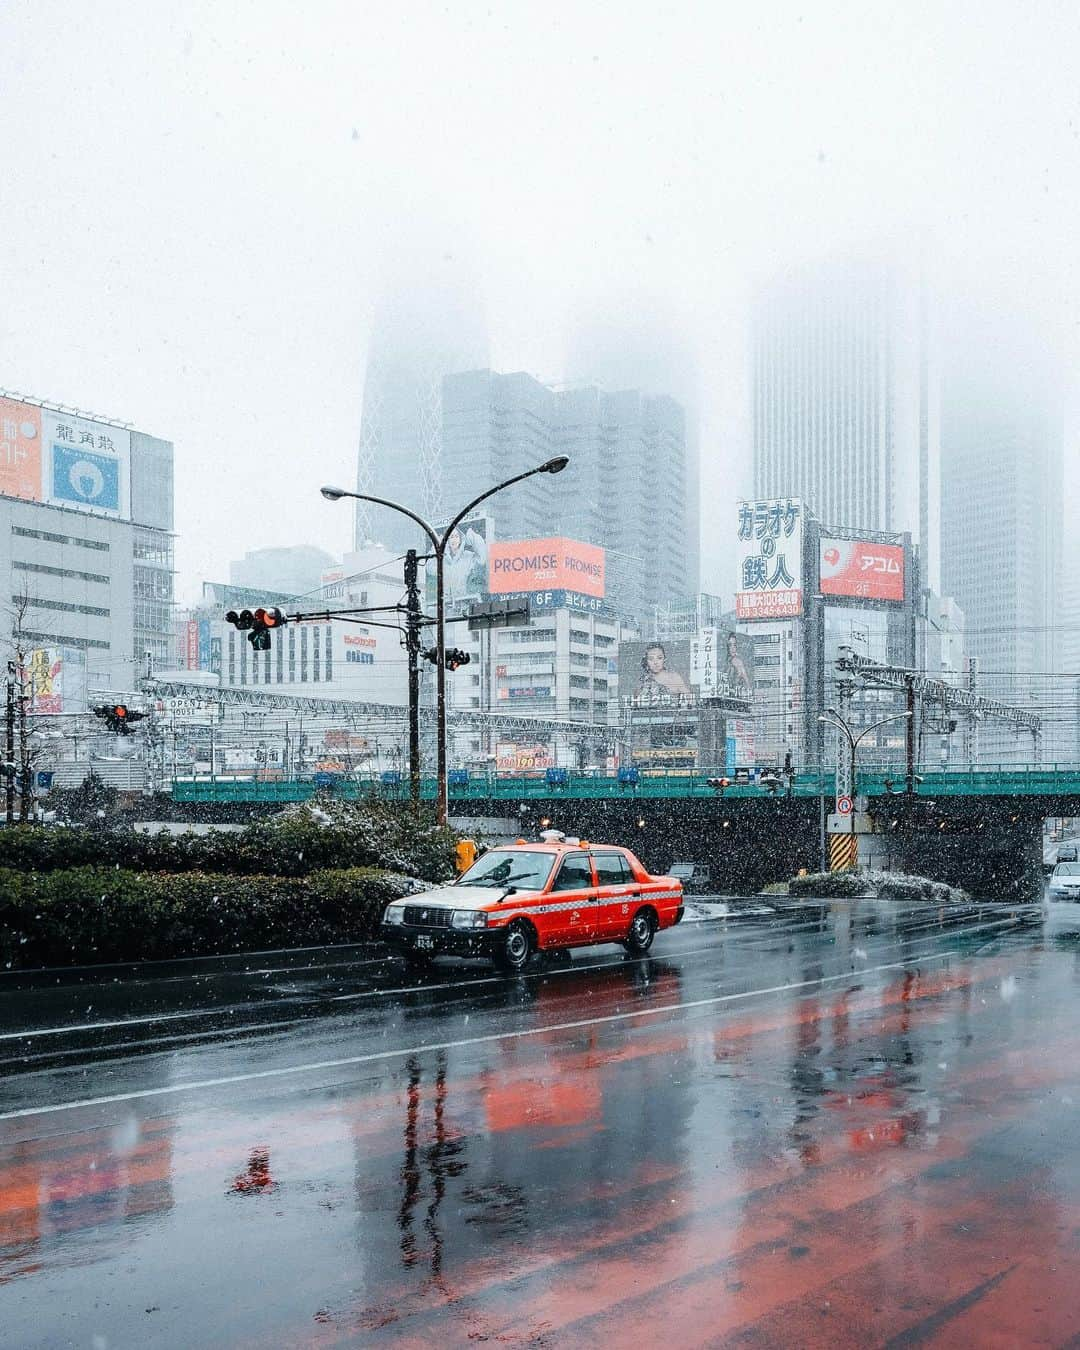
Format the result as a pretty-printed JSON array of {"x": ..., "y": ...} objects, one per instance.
[{"x": 843, "y": 852}]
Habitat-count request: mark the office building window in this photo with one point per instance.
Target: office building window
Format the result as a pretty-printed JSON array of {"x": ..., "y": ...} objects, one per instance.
[
  {"x": 97, "y": 544},
  {"x": 64, "y": 605},
  {"x": 68, "y": 572}
]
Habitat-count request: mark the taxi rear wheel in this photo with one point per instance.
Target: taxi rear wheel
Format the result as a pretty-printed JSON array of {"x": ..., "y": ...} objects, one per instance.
[
  {"x": 642, "y": 931},
  {"x": 517, "y": 946}
]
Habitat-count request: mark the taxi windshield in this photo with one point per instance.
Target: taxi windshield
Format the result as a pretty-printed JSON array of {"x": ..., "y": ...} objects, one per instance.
[{"x": 509, "y": 867}]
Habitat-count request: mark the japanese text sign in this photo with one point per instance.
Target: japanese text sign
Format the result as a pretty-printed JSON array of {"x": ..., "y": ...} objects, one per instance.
[
  {"x": 770, "y": 584},
  {"x": 862, "y": 570}
]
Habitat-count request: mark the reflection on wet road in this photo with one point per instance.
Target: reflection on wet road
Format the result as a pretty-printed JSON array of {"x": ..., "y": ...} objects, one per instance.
[{"x": 840, "y": 1125}]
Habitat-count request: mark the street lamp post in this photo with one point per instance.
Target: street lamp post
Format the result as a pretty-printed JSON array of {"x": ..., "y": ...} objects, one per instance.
[
  {"x": 438, "y": 544},
  {"x": 834, "y": 719}
]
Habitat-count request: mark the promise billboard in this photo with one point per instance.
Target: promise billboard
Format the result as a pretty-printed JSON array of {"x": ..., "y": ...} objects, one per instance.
[
  {"x": 862, "y": 570},
  {"x": 546, "y": 565}
]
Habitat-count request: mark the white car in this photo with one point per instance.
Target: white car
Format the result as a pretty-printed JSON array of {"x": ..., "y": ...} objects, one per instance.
[{"x": 1065, "y": 882}]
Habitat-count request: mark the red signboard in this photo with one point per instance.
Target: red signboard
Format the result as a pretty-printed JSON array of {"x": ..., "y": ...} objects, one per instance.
[
  {"x": 862, "y": 570},
  {"x": 546, "y": 564},
  {"x": 786, "y": 604}
]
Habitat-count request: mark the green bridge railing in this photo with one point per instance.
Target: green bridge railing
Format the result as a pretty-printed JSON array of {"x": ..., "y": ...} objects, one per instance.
[{"x": 1045, "y": 780}]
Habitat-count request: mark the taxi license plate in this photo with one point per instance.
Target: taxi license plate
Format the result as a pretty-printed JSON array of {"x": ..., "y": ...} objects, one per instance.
[{"x": 424, "y": 943}]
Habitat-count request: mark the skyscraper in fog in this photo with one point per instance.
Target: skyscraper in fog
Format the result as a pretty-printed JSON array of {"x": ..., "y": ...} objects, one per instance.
[
  {"x": 422, "y": 331},
  {"x": 1002, "y": 448},
  {"x": 845, "y": 405},
  {"x": 637, "y": 339},
  {"x": 627, "y": 488}
]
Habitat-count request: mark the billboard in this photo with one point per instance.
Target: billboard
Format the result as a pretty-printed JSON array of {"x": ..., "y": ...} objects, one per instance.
[
  {"x": 546, "y": 565},
  {"x": 526, "y": 691},
  {"x": 656, "y": 674},
  {"x": 770, "y": 542},
  {"x": 465, "y": 567},
  {"x": 511, "y": 757},
  {"x": 191, "y": 644},
  {"x": 54, "y": 679},
  {"x": 20, "y": 450},
  {"x": 205, "y": 662},
  {"x": 722, "y": 664},
  {"x": 861, "y": 569},
  {"x": 86, "y": 464},
  {"x": 548, "y": 600}
]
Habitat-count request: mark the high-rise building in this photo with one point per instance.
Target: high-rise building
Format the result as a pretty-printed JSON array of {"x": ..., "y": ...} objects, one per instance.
[
  {"x": 1002, "y": 448},
  {"x": 420, "y": 334},
  {"x": 638, "y": 340},
  {"x": 294, "y": 570},
  {"x": 86, "y": 547},
  {"x": 845, "y": 402},
  {"x": 627, "y": 488}
]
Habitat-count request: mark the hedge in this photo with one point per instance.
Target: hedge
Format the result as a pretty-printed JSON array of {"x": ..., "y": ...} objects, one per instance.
[
  {"x": 87, "y": 915},
  {"x": 884, "y": 885},
  {"x": 294, "y": 844}
]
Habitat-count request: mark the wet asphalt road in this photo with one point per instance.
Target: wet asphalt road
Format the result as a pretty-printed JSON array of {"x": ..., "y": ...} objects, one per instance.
[{"x": 841, "y": 1124}]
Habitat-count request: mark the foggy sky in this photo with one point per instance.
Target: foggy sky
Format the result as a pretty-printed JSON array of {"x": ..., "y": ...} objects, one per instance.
[{"x": 205, "y": 202}]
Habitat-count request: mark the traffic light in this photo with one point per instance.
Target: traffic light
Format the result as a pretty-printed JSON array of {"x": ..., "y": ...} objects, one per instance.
[
  {"x": 719, "y": 784},
  {"x": 119, "y": 717},
  {"x": 258, "y": 624},
  {"x": 452, "y": 658}
]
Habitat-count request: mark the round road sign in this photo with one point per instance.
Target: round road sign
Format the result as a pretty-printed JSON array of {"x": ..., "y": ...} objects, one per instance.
[{"x": 843, "y": 806}]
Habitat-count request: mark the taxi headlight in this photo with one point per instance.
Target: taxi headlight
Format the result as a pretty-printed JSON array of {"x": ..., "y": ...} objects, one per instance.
[
  {"x": 394, "y": 914},
  {"x": 468, "y": 918}
]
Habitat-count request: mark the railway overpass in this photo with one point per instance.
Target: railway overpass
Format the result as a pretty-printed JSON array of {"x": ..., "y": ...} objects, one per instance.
[{"x": 978, "y": 829}]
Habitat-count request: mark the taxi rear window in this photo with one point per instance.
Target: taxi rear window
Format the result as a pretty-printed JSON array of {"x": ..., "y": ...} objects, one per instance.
[
  {"x": 509, "y": 867},
  {"x": 612, "y": 869}
]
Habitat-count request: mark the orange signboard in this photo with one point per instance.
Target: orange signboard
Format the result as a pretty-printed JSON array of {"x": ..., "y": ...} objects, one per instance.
[
  {"x": 20, "y": 450},
  {"x": 546, "y": 564},
  {"x": 861, "y": 569}
]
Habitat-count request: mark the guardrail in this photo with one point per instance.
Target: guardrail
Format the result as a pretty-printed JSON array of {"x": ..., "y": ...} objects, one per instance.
[{"x": 1003, "y": 780}]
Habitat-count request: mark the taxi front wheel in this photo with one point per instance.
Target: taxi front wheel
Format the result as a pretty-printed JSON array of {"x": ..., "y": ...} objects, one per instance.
[
  {"x": 517, "y": 946},
  {"x": 642, "y": 931}
]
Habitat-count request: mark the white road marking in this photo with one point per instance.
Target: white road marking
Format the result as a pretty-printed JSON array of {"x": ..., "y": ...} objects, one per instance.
[
  {"x": 753, "y": 937},
  {"x": 490, "y": 1039}
]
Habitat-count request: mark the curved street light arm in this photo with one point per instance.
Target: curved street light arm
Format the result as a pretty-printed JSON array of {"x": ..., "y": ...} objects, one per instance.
[
  {"x": 835, "y": 721},
  {"x": 477, "y": 500},
  {"x": 394, "y": 506},
  {"x": 896, "y": 717}
]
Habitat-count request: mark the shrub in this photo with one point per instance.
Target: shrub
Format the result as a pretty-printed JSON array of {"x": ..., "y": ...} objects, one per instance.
[
  {"x": 883, "y": 885},
  {"x": 830, "y": 885},
  {"x": 295, "y": 844},
  {"x": 85, "y": 915}
]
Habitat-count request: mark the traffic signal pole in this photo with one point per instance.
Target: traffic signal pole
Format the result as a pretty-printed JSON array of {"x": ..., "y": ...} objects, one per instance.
[
  {"x": 413, "y": 618},
  {"x": 9, "y": 721}
]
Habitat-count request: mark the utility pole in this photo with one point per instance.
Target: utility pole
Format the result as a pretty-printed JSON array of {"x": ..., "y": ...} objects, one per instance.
[
  {"x": 413, "y": 619},
  {"x": 909, "y": 683},
  {"x": 26, "y": 787},
  {"x": 9, "y": 788}
]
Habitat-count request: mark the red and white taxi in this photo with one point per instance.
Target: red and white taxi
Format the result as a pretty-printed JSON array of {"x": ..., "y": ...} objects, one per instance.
[{"x": 521, "y": 898}]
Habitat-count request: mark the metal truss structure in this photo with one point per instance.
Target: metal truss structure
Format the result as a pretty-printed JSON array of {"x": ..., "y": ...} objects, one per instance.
[
  {"x": 949, "y": 696},
  {"x": 367, "y": 451},
  {"x": 429, "y": 420},
  {"x": 353, "y": 710}
]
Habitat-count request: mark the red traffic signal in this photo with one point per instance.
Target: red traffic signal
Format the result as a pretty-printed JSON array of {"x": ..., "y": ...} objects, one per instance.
[
  {"x": 452, "y": 657},
  {"x": 259, "y": 621},
  {"x": 119, "y": 717}
]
